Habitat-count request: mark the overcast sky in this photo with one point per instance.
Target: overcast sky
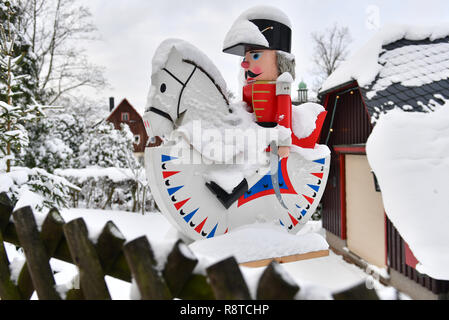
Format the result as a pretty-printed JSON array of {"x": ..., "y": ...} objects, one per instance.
[{"x": 131, "y": 30}]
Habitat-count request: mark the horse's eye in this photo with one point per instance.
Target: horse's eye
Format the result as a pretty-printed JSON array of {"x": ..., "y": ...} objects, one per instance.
[{"x": 163, "y": 87}]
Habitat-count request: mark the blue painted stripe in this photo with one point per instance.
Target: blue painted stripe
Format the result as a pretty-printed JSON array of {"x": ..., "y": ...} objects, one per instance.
[
  {"x": 212, "y": 233},
  {"x": 315, "y": 188},
  {"x": 188, "y": 217},
  {"x": 173, "y": 190},
  {"x": 320, "y": 161},
  {"x": 165, "y": 158},
  {"x": 281, "y": 223},
  {"x": 297, "y": 206}
]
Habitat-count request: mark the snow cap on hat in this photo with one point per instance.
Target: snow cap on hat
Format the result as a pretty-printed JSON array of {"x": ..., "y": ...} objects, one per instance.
[{"x": 261, "y": 27}]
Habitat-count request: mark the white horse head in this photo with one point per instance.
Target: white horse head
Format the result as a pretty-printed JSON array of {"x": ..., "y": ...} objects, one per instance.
[{"x": 185, "y": 85}]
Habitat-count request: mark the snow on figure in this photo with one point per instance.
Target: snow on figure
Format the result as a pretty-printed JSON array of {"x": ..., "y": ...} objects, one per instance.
[{"x": 214, "y": 171}]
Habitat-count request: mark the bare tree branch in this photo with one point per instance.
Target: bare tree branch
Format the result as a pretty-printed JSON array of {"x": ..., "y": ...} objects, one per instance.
[
  {"x": 330, "y": 50},
  {"x": 55, "y": 29}
]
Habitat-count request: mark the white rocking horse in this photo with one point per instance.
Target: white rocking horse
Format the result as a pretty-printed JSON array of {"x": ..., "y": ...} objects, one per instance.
[{"x": 203, "y": 189}]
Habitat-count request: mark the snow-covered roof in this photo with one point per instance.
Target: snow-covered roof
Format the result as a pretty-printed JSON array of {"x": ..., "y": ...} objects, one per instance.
[{"x": 400, "y": 67}]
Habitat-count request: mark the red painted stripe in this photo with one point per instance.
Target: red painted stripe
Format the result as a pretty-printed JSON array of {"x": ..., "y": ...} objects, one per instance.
[
  {"x": 180, "y": 204},
  {"x": 167, "y": 174},
  {"x": 200, "y": 226},
  {"x": 342, "y": 197},
  {"x": 410, "y": 258},
  {"x": 318, "y": 175},
  {"x": 309, "y": 199},
  {"x": 294, "y": 221},
  {"x": 357, "y": 150}
]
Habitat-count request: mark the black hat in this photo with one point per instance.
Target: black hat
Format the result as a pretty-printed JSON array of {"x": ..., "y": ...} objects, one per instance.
[{"x": 277, "y": 34}]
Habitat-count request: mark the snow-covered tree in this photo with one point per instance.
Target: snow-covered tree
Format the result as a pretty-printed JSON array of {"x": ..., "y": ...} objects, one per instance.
[
  {"x": 27, "y": 63},
  {"x": 54, "y": 141},
  {"x": 21, "y": 184},
  {"x": 13, "y": 114},
  {"x": 105, "y": 147}
]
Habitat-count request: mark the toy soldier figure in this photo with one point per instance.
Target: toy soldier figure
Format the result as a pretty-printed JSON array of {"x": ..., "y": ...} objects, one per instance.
[
  {"x": 267, "y": 95},
  {"x": 269, "y": 68}
]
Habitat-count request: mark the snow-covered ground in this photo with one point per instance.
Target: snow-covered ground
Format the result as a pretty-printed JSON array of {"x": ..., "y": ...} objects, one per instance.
[{"x": 318, "y": 278}]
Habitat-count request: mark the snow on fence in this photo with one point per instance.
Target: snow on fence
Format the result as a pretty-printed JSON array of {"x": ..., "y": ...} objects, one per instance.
[{"x": 112, "y": 255}]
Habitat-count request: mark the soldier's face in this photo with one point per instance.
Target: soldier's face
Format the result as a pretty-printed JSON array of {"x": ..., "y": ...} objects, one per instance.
[{"x": 260, "y": 65}]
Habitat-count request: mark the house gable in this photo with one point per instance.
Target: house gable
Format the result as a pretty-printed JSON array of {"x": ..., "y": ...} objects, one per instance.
[{"x": 124, "y": 112}]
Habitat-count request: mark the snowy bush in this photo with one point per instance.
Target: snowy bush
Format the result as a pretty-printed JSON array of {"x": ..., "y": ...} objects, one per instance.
[
  {"x": 54, "y": 142},
  {"x": 110, "y": 188},
  {"x": 104, "y": 146},
  {"x": 36, "y": 188}
]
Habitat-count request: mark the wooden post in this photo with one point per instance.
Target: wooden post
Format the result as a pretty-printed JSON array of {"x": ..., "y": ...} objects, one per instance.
[
  {"x": 142, "y": 264},
  {"x": 36, "y": 254},
  {"x": 6, "y": 208},
  {"x": 227, "y": 280},
  {"x": 197, "y": 287},
  {"x": 109, "y": 245},
  {"x": 178, "y": 269},
  {"x": 8, "y": 290},
  {"x": 358, "y": 292},
  {"x": 52, "y": 232},
  {"x": 51, "y": 236},
  {"x": 274, "y": 285},
  {"x": 86, "y": 258}
]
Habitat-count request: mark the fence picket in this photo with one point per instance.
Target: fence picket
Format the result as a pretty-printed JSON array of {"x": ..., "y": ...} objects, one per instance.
[
  {"x": 109, "y": 245},
  {"x": 36, "y": 254},
  {"x": 227, "y": 280},
  {"x": 179, "y": 267},
  {"x": 274, "y": 286},
  {"x": 142, "y": 263},
  {"x": 197, "y": 287},
  {"x": 51, "y": 236},
  {"x": 6, "y": 209},
  {"x": 86, "y": 258},
  {"x": 8, "y": 290}
]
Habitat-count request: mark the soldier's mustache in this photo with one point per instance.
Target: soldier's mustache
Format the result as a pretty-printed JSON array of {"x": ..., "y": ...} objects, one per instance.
[{"x": 251, "y": 74}]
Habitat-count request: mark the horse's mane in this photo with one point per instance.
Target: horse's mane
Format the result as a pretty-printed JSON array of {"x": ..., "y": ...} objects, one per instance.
[{"x": 211, "y": 79}]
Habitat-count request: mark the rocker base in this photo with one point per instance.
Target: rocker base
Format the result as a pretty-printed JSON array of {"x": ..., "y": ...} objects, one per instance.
[{"x": 286, "y": 259}]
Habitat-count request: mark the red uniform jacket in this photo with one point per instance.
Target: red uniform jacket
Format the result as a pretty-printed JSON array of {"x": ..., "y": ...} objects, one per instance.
[{"x": 270, "y": 107}]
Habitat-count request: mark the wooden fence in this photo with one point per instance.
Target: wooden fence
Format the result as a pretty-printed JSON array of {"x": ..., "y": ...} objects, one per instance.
[{"x": 112, "y": 255}]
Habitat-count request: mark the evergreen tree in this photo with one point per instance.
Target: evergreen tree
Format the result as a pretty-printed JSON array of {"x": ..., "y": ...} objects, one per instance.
[
  {"x": 13, "y": 89},
  {"x": 28, "y": 186},
  {"x": 26, "y": 65}
]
